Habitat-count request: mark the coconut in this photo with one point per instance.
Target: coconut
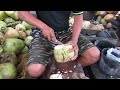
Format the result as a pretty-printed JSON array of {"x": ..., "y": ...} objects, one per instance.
[
  {"x": 28, "y": 40},
  {"x": 103, "y": 13},
  {"x": 26, "y": 25},
  {"x": 109, "y": 25},
  {"x": 20, "y": 27},
  {"x": 1, "y": 49},
  {"x": 61, "y": 53},
  {"x": 1, "y": 39},
  {"x": 99, "y": 18},
  {"x": 8, "y": 71},
  {"x": 110, "y": 12},
  {"x": 9, "y": 20},
  {"x": 97, "y": 13},
  {"x": 109, "y": 17},
  {"x": 8, "y": 58},
  {"x": 22, "y": 34},
  {"x": 1, "y": 77},
  {"x": 12, "y": 14},
  {"x": 1, "y": 35},
  {"x": 28, "y": 32},
  {"x": 103, "y": 22},
  {"x": 13, "y": 24},
  {"x": 2, "y": 15},
  {"x": 25, "y": 50},
  {"x": 2, "y": 25},
  {"x": 9, "y": 13},
  {"x": 15, "y": 16},
  {"x": 13, "y": 45},
  {"x": 11, "y": 33},
  {"x": 86, "y": 24}
]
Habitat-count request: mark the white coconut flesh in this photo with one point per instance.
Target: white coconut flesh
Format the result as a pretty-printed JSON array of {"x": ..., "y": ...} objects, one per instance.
[{"x": 56, "y": 76}]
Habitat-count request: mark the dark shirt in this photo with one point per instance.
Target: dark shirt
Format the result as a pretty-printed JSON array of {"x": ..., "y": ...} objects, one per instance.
[{"x": 57, "y": 20}]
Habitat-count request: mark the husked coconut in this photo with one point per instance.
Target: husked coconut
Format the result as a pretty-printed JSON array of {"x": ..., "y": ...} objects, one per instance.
[{"x": 61, "y": 53}]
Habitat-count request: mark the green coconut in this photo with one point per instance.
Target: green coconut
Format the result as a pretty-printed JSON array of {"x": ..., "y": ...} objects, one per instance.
[
  {"x": 1, "y": 49},
  {"x": 2, "y": 15},
  {"x": 25, "y": 50},
  {"x": 61, "y": 53},
  {"x": 99, "y": 18},
  {"x": 13, "y": 45},
  {"x": 28, "y": 40},
  {"x": 9, "y": 20},
  {"x": 12, "y": 14},
  {"x": 2, "y": 25},
  {"x": 8, "y": 71},
  {"x": 103, "y": 22},
  {"x": 27, "y": 26},
  {"x": 1, "y": 77},
  {"x": 28, "y": 32}
]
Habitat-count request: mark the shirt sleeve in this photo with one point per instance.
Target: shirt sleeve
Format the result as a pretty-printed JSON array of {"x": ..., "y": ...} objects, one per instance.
[{"x": 77, "y": 12}]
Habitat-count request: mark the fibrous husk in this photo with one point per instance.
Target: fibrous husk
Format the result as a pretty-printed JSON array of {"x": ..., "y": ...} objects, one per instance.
[{"x": 8, "y": 58}]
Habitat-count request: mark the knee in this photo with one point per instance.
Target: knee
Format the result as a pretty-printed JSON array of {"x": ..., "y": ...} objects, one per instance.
[
  {"x": 35, "y": 70},
  {"x": 94, "y": 54}
]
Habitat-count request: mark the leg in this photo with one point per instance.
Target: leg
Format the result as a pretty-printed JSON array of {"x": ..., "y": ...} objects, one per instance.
[
  {"x": 89, "y": 57},
  {"x": 89, "y": 53},
  {"x": 38, "y": 55}
]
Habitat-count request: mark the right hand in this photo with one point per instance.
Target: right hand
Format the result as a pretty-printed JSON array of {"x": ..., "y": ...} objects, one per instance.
[{"x": 50, "y": 35}]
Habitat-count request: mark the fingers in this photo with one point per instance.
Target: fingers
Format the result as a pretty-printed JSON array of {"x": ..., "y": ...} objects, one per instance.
[
  {"x": 76, "y": 55},
  {"x": 53, "y": 38},
  {"x": 49, "y": 38}
]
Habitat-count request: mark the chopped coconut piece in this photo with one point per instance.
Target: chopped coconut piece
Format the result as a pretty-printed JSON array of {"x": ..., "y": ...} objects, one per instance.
[
  {"x": 70, "y": 71},
  {"x": 74, "y": 66},
  {"x": 58, "y": 72},
  {"x": 56, "y": 76},
  {"x": 65, "y": 72}
]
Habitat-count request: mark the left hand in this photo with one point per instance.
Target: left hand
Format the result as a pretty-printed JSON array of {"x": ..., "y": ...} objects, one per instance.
[{"x": 75, "y": 49}]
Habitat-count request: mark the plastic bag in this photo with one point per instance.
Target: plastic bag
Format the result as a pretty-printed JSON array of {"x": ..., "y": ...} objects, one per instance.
[{"x": 113, "y": 54}]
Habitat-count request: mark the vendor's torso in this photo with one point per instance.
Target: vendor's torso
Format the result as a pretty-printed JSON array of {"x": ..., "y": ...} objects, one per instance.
[{"x": 57, "y": 20}]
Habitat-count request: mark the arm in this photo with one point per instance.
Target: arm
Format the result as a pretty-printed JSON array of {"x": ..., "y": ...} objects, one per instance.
[
  {"x": 47, "y": 31},
  {"x": 29, "y": 18},
  {"x": 78, "y": 20}
]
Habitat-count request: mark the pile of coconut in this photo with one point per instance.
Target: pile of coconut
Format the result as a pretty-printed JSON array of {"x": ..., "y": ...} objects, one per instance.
[
  {"x": 15, "y": 38},
  {"x": 101, "y": 20}
]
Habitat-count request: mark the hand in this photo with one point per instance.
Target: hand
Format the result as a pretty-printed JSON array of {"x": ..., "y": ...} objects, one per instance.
[
  {"x": 75, "y": 49},
  {"x": 50, "y": 35}
]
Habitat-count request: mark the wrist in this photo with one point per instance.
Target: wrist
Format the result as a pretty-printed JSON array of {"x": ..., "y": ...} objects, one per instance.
[{"x": 75, "y": 40}]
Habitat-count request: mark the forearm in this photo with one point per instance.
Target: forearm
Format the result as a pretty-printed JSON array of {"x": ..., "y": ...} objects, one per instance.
[
  {"x": 29, "y": 18},
  {"x": 78, "y": 20}
]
